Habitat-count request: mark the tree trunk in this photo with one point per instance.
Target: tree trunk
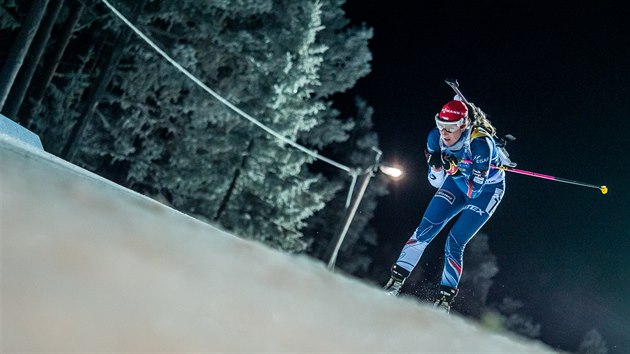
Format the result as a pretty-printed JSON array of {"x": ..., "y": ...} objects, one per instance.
[
  {"x": 52, "y": 61},
  {"x": 19, "y": 49},
  {"x": 237, "y": 174},
  {"x": 35, "y": 53},
  {"x": 98, "y": 92}
]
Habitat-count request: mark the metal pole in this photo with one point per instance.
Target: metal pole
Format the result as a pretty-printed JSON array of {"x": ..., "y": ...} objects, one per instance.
[
  {"x": 351, "y": 190},
  {"x": 355, "y": 206}
]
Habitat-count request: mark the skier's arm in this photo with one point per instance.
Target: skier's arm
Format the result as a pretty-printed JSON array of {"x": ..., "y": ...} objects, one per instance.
[
  {"x": 482, "y": 155},
  {"x": 435, "y": 175}
]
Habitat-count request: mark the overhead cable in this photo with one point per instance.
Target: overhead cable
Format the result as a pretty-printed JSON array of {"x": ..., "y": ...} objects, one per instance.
[{"x": 221, "y": 99}]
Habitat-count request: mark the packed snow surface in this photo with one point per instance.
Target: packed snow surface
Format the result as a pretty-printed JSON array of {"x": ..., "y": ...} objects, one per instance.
[{"x": 89, "y": 266}]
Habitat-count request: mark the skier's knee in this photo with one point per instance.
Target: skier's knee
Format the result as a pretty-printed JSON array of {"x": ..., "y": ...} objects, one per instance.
[{"x": 453, "y": 248}]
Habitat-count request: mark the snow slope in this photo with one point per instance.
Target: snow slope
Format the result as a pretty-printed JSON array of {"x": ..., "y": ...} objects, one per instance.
[{"x": 89, "y": 266}]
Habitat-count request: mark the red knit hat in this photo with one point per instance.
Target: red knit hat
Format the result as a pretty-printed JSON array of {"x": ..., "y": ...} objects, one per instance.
[{"x": 453, "y": 111}]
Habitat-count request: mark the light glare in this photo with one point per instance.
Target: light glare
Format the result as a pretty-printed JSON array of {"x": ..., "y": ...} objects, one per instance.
[{"x": 391, "y": 171}]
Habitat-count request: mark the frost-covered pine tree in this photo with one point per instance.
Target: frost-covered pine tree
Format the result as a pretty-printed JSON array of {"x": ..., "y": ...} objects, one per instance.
[
  {"x": 515, "y": 322},
  {"x": 137, "y": 120},
  {"x": 274, "y": 192},
  {"x": 17, "y": 52},
  {"x": 54, "y": 113},
  {"x": 481, "y": 267},
  {"x": 8, "y": 18},
  {"x": 167, "y": 137},
  {"x": 593, "y": 343},
  {"x": 348, "y": 56},
  {"x": 54, "y": 117}
]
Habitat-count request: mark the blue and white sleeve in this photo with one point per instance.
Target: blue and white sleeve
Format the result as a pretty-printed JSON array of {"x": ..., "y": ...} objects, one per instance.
[{"x": 436, "y": 178}]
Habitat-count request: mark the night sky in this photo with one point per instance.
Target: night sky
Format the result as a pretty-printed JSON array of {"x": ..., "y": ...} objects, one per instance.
[{"x": 556, "y": 77}]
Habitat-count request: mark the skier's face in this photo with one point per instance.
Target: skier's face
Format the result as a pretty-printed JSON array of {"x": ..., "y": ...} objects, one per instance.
[{"x": 451, "y": 137}]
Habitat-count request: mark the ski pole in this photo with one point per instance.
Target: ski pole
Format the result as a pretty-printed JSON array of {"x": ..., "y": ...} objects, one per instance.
[{"x": 603, "y": 189}]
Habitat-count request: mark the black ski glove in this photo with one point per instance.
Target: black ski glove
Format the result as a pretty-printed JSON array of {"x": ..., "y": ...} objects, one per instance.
[
  {"x": 434, "y": 159},
  {"x": 449, "y": 164}
]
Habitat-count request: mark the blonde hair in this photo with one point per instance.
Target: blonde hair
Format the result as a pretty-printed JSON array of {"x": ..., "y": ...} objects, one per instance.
[{"x": 480, "y": 119}]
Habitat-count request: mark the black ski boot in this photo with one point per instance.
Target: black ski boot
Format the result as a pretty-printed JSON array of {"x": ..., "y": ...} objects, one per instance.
[
  {"x": 396, "y": 280},
  {"x": 445, "y": 298}
]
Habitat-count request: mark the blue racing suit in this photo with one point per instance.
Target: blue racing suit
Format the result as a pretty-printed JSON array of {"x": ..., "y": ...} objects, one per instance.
[{"x": 475, "y": 191}]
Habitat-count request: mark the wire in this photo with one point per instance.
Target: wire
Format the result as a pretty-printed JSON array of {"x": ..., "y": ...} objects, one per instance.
[{"x": 223, "y": 100}]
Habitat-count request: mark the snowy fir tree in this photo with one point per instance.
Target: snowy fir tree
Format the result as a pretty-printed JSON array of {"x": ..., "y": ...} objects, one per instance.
[
  {"x": 8, "y": 18},
  {"x": 17, "y": 55},
  {"x": 593, "y": 343},
  {"x": 481, "y": 267},
  {"x": 117, "y": 108},
  {"x": 52, "y": 107},
  {"x": 515, "y": 322}
]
